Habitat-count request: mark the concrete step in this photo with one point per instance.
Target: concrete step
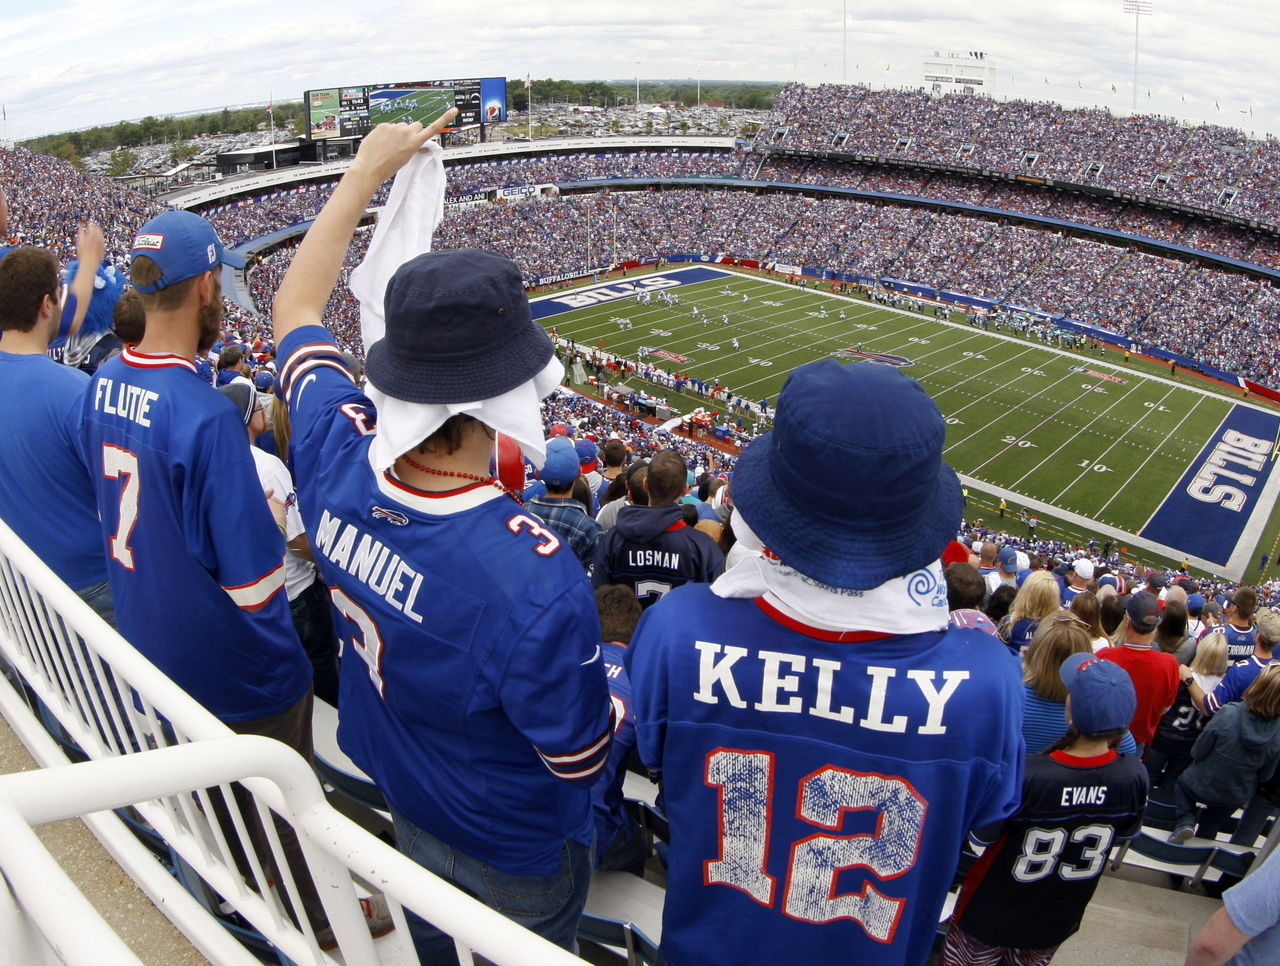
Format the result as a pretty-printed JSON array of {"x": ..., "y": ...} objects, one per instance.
[{"x": 121, "y": 903}]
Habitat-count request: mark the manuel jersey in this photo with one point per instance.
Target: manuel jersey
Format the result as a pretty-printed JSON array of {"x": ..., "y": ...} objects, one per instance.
[
  {"x": 1030, "y": 887},
  {"x": 195, "y": 558},
  {"x": 819, "y": 785},
  {"x": 606, "y": 794},
  {"x": 472, "y": 686}
]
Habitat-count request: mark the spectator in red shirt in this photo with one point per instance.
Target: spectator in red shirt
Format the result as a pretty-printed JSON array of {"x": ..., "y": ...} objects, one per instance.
[{"x": 1154, "y": 673}]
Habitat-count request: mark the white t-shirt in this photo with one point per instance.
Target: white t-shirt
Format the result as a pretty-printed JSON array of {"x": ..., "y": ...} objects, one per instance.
[{"x": 274, "y": 475}]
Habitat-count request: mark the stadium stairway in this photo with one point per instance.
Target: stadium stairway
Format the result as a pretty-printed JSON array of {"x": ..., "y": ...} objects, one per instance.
[
  {"x": 142, "y": 926},
  {"x": 1135, "y": 919}
]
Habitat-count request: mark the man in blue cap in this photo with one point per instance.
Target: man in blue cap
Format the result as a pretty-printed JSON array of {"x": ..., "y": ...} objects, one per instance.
[
  {"x": 825, "y": 742},
  {"x": 203, "y": 601},
  {"x": 557, "y": 507}
]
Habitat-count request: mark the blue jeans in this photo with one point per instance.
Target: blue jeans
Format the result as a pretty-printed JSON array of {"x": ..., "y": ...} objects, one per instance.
[
  {"x": 1207, "y": 817},
  {"x": 313, "y": 620},
  {"x": 550, "y": 905},
  {"x": 1250, "y": 825},
  {"x": 98, "y": 596}
]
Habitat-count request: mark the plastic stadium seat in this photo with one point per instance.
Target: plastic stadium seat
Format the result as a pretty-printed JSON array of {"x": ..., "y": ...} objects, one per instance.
[{"x": 334, "y": 767}]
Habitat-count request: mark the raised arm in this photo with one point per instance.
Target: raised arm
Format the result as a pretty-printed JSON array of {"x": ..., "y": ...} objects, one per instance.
[
  {"x": 309, "y": 280},
  {"x": 90, "y": 247}
]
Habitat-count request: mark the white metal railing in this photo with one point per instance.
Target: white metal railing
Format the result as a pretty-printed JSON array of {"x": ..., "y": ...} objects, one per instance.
[{"x": 72, "y": 674}]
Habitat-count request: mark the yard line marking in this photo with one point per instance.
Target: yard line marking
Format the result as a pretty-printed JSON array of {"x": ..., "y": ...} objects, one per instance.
[
  {"x": 1144, "y": 463},
  {"x": 1047, "y": 419},
  {"x": 1115, "y": 442}
]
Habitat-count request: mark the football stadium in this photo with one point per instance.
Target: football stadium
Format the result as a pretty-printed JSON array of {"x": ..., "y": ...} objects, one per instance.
[{"x": 841, "y": 530}]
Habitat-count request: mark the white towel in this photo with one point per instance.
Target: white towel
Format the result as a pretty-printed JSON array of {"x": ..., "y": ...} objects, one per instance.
[
  {"x": 405, "y": 226},
  {"x": 414, "y": 208},
  {"x": 912, "y": 604}
]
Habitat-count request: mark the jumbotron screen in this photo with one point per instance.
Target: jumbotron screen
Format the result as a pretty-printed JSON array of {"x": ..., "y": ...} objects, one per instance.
[{"x": 353, "y": 111}]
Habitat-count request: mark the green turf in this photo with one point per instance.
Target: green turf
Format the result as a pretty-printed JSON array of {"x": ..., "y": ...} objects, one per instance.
[
  {"x": 1020, "y": 419},
  {"x": 423, "y": 105}
]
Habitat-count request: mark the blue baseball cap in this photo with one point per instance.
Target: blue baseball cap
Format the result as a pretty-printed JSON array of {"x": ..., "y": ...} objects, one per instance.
[
  {"x": 1102, "y": 695},
  {"x": 1144, "y": 612},
  {"x": 587, "y": 455},
  {"x": 1008, "y": 558},
  {"x": 183, "y": 245},
  {"x": 561, "y": 467}
]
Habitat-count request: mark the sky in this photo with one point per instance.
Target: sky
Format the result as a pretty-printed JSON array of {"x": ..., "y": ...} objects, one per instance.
[{"x": 67, "y": 64}]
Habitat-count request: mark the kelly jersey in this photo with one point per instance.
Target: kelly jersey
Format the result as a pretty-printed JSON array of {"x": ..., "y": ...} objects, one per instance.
[
  {"x": 819, "y": 786},
  {"x": 1029, "y": 888},
  {"x": 46, "y": 495},
  {"x": 1239, "y": 642},
  {"x": 606, "y": 793},
  {"x": 195, "y": 558},
  {"x": 472, "y": 688}
]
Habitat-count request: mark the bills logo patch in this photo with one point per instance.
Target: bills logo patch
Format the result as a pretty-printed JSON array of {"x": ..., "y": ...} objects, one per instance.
[
  {"x": 392, "y": 516},
  {"x": 149, "y": 242}
]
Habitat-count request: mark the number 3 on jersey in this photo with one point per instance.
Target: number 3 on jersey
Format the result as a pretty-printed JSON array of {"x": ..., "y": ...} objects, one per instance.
[{"x": 745, "y": 782}]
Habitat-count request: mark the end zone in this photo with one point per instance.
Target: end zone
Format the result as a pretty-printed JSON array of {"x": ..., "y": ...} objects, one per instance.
[
  {"x": 546, "y": 306},
  {"x": 1219, "y": 508}
]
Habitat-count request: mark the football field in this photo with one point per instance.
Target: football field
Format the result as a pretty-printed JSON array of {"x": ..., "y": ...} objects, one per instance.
[
  {"x": 404, "y": 106},
  {"x": 1166, "y": 465}
]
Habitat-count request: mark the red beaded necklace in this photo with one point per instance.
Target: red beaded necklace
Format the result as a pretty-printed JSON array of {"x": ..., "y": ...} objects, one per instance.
[{"x": 493, "y": 481}]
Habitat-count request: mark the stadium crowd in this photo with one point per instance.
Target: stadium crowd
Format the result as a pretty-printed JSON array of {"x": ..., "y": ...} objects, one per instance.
[
  {"x": 1213, "y": 168},
  {"x": 1220, "y": 318},
  {"x": 706, "y": 546}
]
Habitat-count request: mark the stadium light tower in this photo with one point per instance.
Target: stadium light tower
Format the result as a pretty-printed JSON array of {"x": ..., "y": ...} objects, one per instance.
[
  {"x": 844, "y": 45},
  {"x": 1139, "y": 8}
]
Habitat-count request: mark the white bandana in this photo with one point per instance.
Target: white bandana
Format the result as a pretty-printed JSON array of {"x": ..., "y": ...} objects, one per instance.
[
  {"x": 403, "y": 425},
  {"x": 912, "y": 604},
  {"x": 414, "y": 208}
]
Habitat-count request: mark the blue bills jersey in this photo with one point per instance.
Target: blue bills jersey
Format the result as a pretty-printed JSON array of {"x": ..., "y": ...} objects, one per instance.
[
  {"x": 606, "y": 794},
  {"x": 819, "y": 786},
  {"x": 472, "y": 688},
  {"x": 1239, "y": 641},
  {"x": 46, "y": 495},
  {"x": 195, "y": 558}
]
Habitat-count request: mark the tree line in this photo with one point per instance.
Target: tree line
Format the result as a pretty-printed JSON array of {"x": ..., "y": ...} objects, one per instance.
[
  {"x": 74, "y": 145},
  {"x": 745, "y": 94},
  {"x": 178, "y": 131}
]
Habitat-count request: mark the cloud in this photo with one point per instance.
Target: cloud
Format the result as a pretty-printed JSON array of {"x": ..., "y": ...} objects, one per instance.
[{"x": 82, "y": 62}]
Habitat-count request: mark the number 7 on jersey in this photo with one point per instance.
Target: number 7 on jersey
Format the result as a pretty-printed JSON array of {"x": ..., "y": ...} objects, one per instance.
[{"x": 118, "y": 462}]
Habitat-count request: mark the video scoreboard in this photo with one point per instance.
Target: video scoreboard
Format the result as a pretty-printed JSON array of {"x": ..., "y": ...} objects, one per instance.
[{"x": 353, "y": 111}]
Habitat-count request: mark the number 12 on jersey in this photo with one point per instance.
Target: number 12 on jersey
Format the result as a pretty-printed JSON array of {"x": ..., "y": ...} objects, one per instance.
[{"x": 745, "y": 783}]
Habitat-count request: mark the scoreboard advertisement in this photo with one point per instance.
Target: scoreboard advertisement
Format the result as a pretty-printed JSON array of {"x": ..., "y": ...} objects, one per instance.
[{"x": 353, "y": 111}]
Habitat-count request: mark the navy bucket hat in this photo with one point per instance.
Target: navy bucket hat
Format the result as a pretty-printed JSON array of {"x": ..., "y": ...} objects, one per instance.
[
  {"x": 849, "y": 488},
  {"x": 458, "y": 330}
]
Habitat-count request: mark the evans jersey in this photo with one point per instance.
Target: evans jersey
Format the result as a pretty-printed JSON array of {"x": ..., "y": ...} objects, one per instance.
[
  {"x": 472, "y": 687},
  {"x": 195, "y": 558},
  {"x": 819, "y": 786},
  {"x": 1029, "y": 889}
]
